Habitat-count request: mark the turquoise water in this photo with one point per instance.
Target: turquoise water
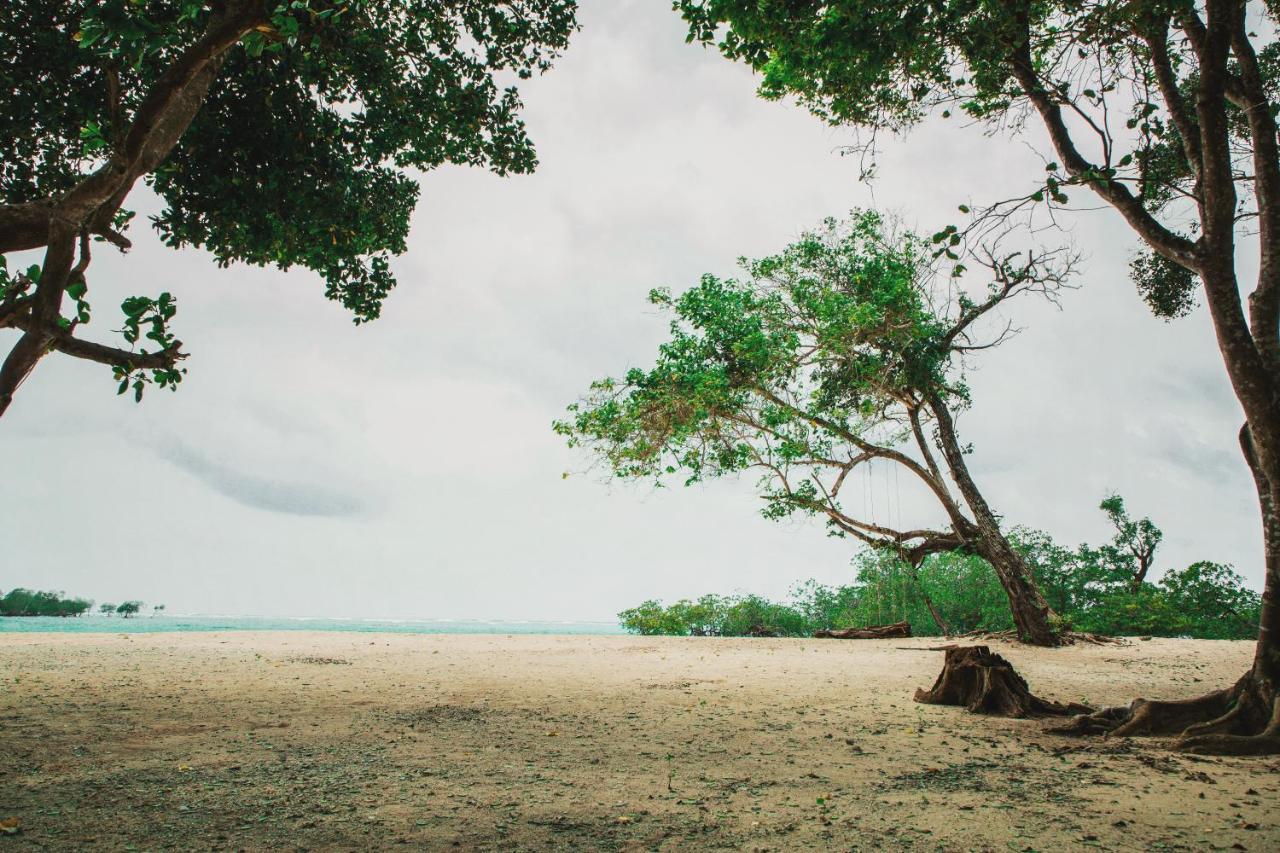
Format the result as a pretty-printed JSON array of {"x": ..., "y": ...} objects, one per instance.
[{"x": 151, "y": 624}]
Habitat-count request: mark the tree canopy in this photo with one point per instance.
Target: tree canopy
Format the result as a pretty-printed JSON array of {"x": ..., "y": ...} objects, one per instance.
[
  {"x": 275, "y": 132},
  {"x": 843, "y": 350},
  {"x": 27, "y": 602}
]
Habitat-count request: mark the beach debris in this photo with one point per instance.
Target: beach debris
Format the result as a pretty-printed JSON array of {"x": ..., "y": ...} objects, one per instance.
[
  {"x": 871, "y": 632},
  {"x": 1066, "y": 638},
  {"x": 986, "y": 683},
  {"x": 10, "y": 826},
  {"x": 320, "y": 660}
]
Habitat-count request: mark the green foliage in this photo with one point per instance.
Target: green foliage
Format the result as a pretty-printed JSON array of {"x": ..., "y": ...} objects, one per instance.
[
  {"x": 306, "y": 149},
  {"x": 26, "y": 602},
  {"x": 1206, "y": 600},
  {"x": 797, "y": 365},
  {"x": 1212, "y": 601},
  {"x": 1168, "y": 289},
  {"x": 962, "y": 587},
  {"x": 129, "y": 608},
  {"x": 726, "y": 616},
  {"x": 887, "y": 64},
  {"x": 143, "y": 312}
]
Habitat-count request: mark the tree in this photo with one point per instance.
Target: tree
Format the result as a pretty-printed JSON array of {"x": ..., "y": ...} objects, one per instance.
[
  {"x": 276, "y": 132},
  {"x": 129, "y": 608},
  {"x": 840, "y": 352},
  {"x": 1133, "y": 549},
  {"x": 1212, "y": 601},
  {"x": 26, "y": 602},
  {"x": 1194, "y": 166},
  {"x": 106, "y": 609}
]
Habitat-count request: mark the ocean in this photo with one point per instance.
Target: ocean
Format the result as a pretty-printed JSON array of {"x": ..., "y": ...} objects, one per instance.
[{"x": 152, "y": 624}]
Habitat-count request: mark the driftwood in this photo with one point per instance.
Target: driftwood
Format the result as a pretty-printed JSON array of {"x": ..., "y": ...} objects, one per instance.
[
  {"x": 985, "y": 683},
  {"x": 871, "y": 632},
  {"x": 1068, "y": 638}
]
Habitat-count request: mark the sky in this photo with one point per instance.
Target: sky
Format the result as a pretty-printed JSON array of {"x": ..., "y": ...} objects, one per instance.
[{"x": 407, "y": 469}]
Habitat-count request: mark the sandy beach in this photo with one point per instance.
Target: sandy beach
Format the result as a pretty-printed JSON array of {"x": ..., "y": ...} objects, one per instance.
[{"x": 293, "y": 740}]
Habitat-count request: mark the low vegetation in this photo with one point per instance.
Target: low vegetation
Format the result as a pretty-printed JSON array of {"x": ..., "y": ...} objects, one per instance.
[
  {"x": 26, "y": 602},
  {"x": 1100, "y": 590}
]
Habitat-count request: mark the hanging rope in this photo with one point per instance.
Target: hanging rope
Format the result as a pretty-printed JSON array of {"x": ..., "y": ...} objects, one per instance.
[
  {"x": 897, "y": 491},
  {"x": 871, "y": 487}
]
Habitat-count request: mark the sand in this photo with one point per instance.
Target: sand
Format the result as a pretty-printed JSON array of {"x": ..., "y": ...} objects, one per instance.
[{"x": 290, "y": 740}]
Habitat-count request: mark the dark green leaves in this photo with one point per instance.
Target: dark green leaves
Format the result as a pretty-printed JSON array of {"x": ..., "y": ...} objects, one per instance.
[
  {"x": 797, "y": 361},
  {"x": 868, "y": 63},
  {"x": 148, "y": 319},
  {"x": 1168, "y": 288},
  {"x": 301, "y": 154}
]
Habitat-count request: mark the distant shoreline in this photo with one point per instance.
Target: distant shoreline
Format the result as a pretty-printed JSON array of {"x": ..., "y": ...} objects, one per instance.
[{"x": 94, "y": 624}]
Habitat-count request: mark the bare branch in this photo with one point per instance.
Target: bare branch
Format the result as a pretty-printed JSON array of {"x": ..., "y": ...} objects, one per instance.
[{"x": 1170, "y": 245}]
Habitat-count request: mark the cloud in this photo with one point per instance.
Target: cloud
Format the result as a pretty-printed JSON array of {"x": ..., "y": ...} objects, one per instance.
[{"x": 291, "y": 496}]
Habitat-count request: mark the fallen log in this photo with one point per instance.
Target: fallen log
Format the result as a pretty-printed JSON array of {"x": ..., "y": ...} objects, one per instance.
[
  {"x": 985, "y": 683},
  {"x": 1067, "y": 638},
  {"x": 871, "y": 632}
]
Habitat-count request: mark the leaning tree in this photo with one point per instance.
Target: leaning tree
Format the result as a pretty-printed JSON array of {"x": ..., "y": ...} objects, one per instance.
[
  {"x": 1165, "y": 110},
  {"x": 281, "y": 132},
  {"x": 843, "y": 350}
]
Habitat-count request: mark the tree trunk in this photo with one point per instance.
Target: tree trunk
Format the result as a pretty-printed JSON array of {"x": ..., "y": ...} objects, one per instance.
[
  {"x": 986, "y": 683},
  {"x": 1266, "y": 660},
  {"x": 933, "y": 611},
  {"x": 928, "y": 600},
  {"x": 1031, "y": 613},
  {"x": 1243, "y": 719},
  {"x": 871, "y": 632}
]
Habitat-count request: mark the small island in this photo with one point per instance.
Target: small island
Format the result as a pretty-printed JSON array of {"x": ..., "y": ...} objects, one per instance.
[{"x": 27, "y": 602}]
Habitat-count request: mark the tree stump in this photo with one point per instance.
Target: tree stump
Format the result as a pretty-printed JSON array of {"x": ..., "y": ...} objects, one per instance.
[
  {"x": 985, "y": 683},
  {"x": 871, "y": 632}
]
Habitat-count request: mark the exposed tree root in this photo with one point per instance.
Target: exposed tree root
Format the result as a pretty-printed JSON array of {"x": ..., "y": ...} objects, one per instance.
[
  {"x": 1241, "y": 720},
  {"x": 985, "y": 683},
  {"x": 1070, "y": 638},
  {"x": 871, "y": 632}
]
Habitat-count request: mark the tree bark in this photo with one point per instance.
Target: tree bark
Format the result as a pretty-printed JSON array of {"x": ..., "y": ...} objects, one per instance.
[
  {"x": 1031, "y": 613},
  {"x": 1244, "y": 718},
  {"x": 986, "y": 683},
  {"x": 871, "y": 632}
]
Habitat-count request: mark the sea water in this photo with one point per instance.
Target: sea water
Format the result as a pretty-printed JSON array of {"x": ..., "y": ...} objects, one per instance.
[{"x": 149, "y": 624}]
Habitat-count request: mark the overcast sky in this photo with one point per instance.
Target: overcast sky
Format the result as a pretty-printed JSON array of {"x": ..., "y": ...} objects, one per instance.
[{"x": 407, "y": 469}]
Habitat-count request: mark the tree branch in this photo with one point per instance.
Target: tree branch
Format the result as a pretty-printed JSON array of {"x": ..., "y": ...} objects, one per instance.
[
  {"x": 1170, "y": 245},
  {"x": 1157, "y": 40},
  {"x": 1264, "y": 301},
  {"x": 160, "y": 120},
  {"x": 115, "y": 357}
]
